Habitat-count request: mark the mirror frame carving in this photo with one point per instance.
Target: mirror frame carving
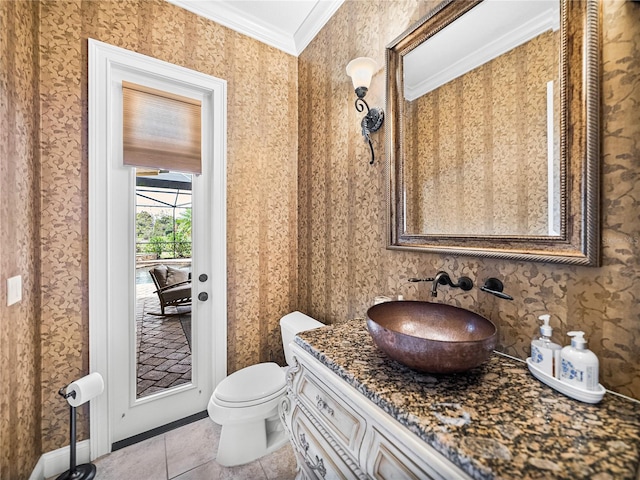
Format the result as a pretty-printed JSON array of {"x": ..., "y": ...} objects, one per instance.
[{"x": 579, "y": 240}]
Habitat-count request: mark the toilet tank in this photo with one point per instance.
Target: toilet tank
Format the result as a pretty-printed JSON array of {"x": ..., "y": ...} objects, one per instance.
[{"x": 292, "y": 324}]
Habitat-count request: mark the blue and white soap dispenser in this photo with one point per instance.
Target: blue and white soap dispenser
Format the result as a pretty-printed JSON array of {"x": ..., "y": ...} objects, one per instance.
[
  {"x": 545, "y": 353},
  {"x": 579, "y": 364}
]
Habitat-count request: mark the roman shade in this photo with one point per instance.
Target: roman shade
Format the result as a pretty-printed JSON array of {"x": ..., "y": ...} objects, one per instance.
[{"x": 161, "y": 130}]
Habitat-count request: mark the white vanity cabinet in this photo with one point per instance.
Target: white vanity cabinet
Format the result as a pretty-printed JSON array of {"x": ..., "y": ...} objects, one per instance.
[{"x": 338, "y": 433}]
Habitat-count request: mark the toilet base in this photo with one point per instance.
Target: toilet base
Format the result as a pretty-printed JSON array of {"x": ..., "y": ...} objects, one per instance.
[{"x": 242, "y": 443}]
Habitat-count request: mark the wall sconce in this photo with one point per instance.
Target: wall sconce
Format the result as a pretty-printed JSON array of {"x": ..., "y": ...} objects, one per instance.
[{"x": 361, "y": 70}]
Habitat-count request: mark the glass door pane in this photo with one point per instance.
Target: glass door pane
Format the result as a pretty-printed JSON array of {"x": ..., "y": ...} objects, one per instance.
[{"x": 163, "y": 281}]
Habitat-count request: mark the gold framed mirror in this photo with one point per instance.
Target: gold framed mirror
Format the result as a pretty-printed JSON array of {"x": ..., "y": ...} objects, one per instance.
[{"x": 493, "y": 131}]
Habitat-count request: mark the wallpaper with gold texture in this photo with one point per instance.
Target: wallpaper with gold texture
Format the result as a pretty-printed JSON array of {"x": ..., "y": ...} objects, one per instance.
[
  {"x": 342, "y": 209},
  {"x": 20, "y": 405},
  {"x": 261, "y": 178}
]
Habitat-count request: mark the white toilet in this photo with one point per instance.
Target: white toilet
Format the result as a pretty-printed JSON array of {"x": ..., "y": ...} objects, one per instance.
[{"x": 246, "y": 403}]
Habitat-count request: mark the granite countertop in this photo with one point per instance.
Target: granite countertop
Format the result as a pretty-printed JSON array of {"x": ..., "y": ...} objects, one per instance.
[{"x": 495, "y": 421}]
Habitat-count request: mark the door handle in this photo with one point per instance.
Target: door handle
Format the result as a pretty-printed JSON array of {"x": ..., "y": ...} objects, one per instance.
[{"x": 203, "y": 296}]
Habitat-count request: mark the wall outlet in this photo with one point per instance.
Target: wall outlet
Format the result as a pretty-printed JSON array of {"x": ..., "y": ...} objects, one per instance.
[{"x": 14, "y": 289}]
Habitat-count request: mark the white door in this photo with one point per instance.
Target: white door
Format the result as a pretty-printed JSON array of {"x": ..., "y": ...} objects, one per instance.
[
  {"x": 132, "y": 411},
  {"x": 120, "y": 412}
]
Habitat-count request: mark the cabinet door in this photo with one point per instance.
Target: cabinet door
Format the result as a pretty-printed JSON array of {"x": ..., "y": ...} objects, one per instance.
[{"x": 321, "y": 460}]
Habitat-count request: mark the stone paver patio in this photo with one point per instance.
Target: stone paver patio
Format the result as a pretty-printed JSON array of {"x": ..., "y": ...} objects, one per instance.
[{"x": 164, "y": 354}]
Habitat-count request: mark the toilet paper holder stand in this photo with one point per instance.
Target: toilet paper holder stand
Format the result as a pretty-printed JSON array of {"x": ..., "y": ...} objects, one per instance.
[{"x": 86, "y": 471}]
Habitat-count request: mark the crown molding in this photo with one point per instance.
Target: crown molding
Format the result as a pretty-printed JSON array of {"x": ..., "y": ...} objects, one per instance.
[
  {"x": 225, "y": 13},
  {"x": 318, "y": 18}
]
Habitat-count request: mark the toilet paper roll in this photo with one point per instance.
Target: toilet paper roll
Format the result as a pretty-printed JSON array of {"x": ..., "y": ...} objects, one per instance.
[{"x": 86, "y": 388}]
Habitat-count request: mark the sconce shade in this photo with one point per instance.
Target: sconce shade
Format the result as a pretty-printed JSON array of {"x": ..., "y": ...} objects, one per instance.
[{"x": 361, "y": 70}]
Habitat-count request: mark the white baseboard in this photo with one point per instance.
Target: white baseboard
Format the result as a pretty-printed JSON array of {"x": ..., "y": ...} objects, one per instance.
[
  {"x": 38, "y": 470},
  {"x": 55, "y": 462}
]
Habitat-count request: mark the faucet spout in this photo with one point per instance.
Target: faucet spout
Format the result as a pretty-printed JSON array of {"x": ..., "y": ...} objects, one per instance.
[{"x": 441, "y": 278}]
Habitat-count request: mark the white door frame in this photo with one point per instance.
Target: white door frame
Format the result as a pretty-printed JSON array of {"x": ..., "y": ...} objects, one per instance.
[{"x": 104, "y": 61}]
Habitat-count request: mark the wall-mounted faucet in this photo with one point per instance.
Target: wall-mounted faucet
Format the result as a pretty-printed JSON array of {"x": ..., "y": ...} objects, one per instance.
[{"x": 495, "y": 287}]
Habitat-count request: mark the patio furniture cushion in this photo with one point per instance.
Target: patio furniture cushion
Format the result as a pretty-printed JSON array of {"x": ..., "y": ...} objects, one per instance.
[
  {"x": 173, "y": 286},
  {"x": 177, "y": 293},
  {"x": 159, "y": 275},
  {"x": 176, "y": 275}
]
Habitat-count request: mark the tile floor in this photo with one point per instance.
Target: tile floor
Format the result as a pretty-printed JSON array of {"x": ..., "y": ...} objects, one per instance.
[{"x": 188, "y": 453}]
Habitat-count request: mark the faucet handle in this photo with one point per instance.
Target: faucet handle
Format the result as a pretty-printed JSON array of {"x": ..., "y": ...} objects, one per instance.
[
  {"x": 495, "y": 287},
  {"x": 415, "y": 280}
]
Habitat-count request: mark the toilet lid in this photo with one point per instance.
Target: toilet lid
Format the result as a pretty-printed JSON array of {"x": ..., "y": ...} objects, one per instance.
[{"x": 251, "y": 383}]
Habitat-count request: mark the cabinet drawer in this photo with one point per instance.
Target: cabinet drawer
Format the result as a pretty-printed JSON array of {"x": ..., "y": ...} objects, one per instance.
[
  {"x": 345, "y": 424},
  {"x": 388, "y": 459},
  {"x": 320, "y": 460}
]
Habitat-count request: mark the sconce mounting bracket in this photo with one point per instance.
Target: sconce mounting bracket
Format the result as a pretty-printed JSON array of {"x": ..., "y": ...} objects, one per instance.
[{"x": 371, "y": 122}]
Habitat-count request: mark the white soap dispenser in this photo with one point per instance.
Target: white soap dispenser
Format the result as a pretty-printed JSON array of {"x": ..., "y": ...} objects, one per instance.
[
  {"x": 579, "y": 364},
  {"x": 545, "y": 353}
]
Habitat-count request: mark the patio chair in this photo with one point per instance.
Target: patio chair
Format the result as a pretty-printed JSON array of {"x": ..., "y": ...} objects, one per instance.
[{"x": 173, "y": 286}]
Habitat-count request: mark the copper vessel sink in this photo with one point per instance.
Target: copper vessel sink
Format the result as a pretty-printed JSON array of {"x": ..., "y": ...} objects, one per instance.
[{"x": 431, "y": 337}]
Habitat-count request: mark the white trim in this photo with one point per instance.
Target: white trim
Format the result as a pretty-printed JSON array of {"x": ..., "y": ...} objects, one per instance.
[
  {"x": 236, "y": 19},
  {"x": 225, "y": 14},
  {"x": 107, "y": 62},
  {"x": 98, "y": 233},
  {"x": 57, "y": 461},
  {"x": 312, "y": 25},
  {"x": 38, "y": 470}
]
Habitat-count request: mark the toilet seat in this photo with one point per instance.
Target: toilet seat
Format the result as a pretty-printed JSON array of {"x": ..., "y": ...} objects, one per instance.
[{"x": 251, "y": 386}]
